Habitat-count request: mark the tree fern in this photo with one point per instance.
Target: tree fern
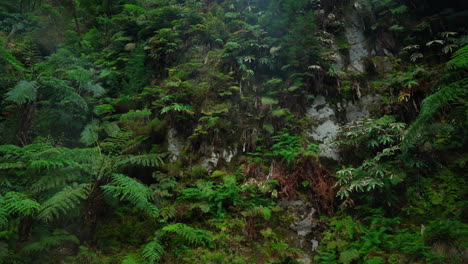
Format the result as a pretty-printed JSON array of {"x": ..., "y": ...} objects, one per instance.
[
  {"x": 23, "y": 92},
  {"x": 459, "y": 59},
  {"x": 63, "y": 201},
  {"x": 129, "y": 189},
  {"x": 431, "y": 105},
  {"x": 19, "y": 204},
  {"x": 153, "y": 251},
  {"x": 193, "y": 236}
]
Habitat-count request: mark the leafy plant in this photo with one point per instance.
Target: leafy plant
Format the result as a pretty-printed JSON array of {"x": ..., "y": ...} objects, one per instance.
[{"x": 129, "y": 189}]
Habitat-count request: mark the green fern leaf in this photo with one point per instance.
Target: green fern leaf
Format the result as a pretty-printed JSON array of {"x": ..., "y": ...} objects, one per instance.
[
  {"x": 7, "y": 57},
  {"x": 56, "y": 179},
  {"x": 10, "y": 149},
  {"x": 431, "y": 105},
  {"x": 459, "y": 59},
  {"x": 168, "y": 212},
  {"x": 90, "y": 134},
  {"x": 192, "y": 235},
  {"x": 146, "y": 160},
  {"x": 134, "y": 9},
  {"x": 12, "y": 165},
  {"x": 96, "y": 89},
  {"x": 63, "y": 201},
  {"x": 20, "y": 204},
  {"x": 153, "y": 251},
  {"x": 23, "y": 92},
  {"x": 129, "y": 189}
]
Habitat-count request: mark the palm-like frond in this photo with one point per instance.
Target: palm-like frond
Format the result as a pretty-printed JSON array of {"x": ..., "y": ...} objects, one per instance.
[
  {"x": 153, "y": 251},
  {"x": 56, "y": 179},
  {"x": 128, "y": 189},
  {"x": 192, "y": 235},
  {"x": 90, "y": 134},
  {"x": 23, "y": 92},
  {"x": 431, "y": 105},
  {"x": 146, "y": 160},
  {"x": 459, "y": 59},
  {"x": 19, "y": 204},
  {"x": 7, "y": 57},
  {"x": 63, "y": 201}
]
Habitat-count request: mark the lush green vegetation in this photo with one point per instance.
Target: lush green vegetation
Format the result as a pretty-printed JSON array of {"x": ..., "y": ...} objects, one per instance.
[{"x": 169, "y": 131}]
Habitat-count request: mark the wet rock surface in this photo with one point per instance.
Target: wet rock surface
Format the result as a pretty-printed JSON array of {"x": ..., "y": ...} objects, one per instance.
[
  {"x": 303, "y": 226},
  {"x": 328, "y": 128},
  {"x": 175, "y": 144}
]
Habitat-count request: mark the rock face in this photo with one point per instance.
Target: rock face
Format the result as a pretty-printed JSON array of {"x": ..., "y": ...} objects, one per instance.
[
  {"x": 361, "y": 108},
  {"x": 358, "y": 50},
  {"x": 226, "y": 154},
  {"x": 304, "y": 224},
  {"x": 175, "y": 144},
  {"x": 328, "y": 128}
]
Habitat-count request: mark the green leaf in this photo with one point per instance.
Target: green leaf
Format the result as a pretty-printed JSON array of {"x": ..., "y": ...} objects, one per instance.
[{"x": 23, "y": 92}]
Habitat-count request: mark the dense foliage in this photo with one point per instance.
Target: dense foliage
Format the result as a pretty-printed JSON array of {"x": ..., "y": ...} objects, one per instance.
[{"x": 171, "y": 131}]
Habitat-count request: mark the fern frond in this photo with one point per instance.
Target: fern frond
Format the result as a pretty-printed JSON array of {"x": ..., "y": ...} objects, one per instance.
[
  {"x": 431, "y": 105},
  {"x": 63, "y": 201},
  {"x": 175, "y": 107},
  {"x": 75, "y": 99},
  {"x": 193, "y": 236},
  {"x": 168, "y": 212},
  {"x": 111, "y": 128},
  {"x": 56, "y": 179},
  {"x": 134, "y": 9},
  {"x": 90, "y": 134},
  {"x": 23, "y": 92},
  {"x": 129, "y": 189},
  {"x": 50, "y": 164},
  {"x": 58, "y": 238},
  {"x": 7, "y": 57},
  {"x": 153, "y": 251},
  {"x": 145, "y": 160},
  {"x": 12, "y": 165},
  {"x": 95, "y": 89},
  {"x": 262, "y": 211},
  {"x": 459, "y": 59},
  {"x": 10, "y": 149},
  {"x": 20, "y": 204}
]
